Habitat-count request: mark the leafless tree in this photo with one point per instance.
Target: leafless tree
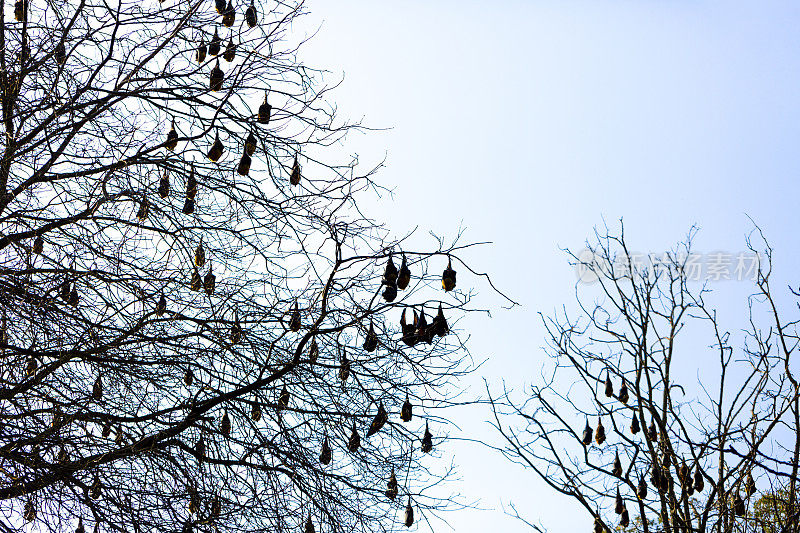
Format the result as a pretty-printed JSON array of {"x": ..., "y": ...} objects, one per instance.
[
  {"x": 199, "y": 328},
  {"x": 615, "y": 424}
]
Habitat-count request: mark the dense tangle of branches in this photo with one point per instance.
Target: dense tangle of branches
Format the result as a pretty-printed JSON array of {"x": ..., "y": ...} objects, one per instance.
[
  {"x": 615, "y": 425},
  {"x": 199, "y": 328}
]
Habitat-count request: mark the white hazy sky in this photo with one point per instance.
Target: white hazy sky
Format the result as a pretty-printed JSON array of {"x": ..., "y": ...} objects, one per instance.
[{"x": 530, "y": 122}]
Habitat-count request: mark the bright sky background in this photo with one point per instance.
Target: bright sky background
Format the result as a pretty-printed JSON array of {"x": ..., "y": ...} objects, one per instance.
[{"x": 531, "y": 121}]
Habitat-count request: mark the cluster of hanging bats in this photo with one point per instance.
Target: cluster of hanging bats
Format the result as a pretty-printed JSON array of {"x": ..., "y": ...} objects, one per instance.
[
  {"x": 216, "y": 80},
  {"x": 392, "y": 278},
  {"x": 660, "y": 478}
]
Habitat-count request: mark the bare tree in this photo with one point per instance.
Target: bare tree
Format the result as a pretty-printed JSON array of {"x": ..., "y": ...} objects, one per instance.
[
  {"x": 615, "y": 425},
  {"x": 199, "y": 328}
]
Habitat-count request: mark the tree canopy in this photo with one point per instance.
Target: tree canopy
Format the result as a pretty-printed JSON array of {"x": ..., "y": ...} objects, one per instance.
[
  {"x": 615, "y": 424},
  {"x": 200, "y": 329}
]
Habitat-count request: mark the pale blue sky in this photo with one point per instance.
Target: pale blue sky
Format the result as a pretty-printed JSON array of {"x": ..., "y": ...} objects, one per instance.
[{"x": 530, "y": 121}]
